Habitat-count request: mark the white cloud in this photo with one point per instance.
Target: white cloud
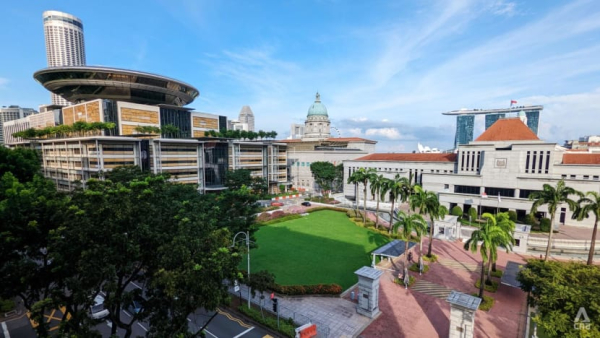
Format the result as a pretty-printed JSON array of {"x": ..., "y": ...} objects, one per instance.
[
  {"x": 389, "y": 133},
  {"x": 353, "y": 131},
  {"x": 3, "y": 82},
  {"x": 359, "y": 119},
  {"x": 502, "y": 7}
]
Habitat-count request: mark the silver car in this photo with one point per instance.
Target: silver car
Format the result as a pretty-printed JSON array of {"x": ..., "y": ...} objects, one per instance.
[{"x": 97, "y": 310}]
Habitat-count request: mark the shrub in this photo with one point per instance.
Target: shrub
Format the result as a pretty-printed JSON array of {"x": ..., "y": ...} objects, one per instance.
[
  {"x": 6, "y": 305},
  {"x": 411, "y": 281},
  {"x": 286, "y": 327},
  {"x": 456, "y": 211},
  {"x": 265, "y": 216},
  {"x": 415, "y": 267},
  {"x": 473, "y": 213},
  {"x": 487, "y": 287},
  {"x": 545, "y": 224},
  {"x": 318, "y": 289},
  {"x": 432, "y": 259},
  {"x": 530, "y": 220},
  {"x": 512, "y": 215},
  {"x": 486, "y": 303}
]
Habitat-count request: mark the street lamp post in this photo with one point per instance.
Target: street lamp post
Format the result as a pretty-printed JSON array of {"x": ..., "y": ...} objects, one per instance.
[{"x": 247, "y": 234}]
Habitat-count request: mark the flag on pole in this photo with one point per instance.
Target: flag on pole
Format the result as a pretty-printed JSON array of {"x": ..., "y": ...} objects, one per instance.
[
  {"x": 499, "y": 199},
  {"x": 512, "y": 102},
  {"x": 484, "y": 195}
]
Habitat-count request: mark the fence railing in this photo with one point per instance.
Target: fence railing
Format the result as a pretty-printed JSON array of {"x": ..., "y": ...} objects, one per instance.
[{"x": 574, "y": 244}]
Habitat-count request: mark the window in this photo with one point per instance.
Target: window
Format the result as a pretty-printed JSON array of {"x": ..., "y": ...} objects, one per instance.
[
  {"x": 586, "y": 177},
  {"x": 524, "y": 193},
  {"x": 504, "y": 192},
  {"x": 527, "y": 163},
  {"x": 517, "y": 242},
  {"x": 563, "y": 176},
  {"x": 441, "y": 231},
  {"x": 596, "y": 177},
  {"x": 466, "y": 189},
  {"x": 573, "y": 177},
  {"x": 446, "y": 186}
]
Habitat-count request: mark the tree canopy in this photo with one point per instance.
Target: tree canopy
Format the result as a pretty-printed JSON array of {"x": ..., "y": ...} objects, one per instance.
[
  {"x": 327, "y": 175},
  {"x": 560, "y": 290},
  {"x": 131, "y": 227},
  {"x": 23, "y": 163}
]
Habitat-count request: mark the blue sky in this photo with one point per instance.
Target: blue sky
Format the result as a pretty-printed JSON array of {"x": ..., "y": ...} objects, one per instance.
[{"x": 386, "y": 70}]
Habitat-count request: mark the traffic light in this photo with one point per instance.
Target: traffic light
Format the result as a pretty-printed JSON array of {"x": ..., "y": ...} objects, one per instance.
[{"x": 275, "y": 305}]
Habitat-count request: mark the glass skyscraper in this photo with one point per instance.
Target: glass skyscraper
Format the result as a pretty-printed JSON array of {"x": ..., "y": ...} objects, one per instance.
[
  {"x": 464, "y": 129},
  {"x": 492, "y": 118},
  {"x": 533, "y": 119}
]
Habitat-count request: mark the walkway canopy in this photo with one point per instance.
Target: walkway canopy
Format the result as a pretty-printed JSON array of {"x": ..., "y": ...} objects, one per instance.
[
  {"x": 393, "y": 249},
  {"x": 509, "y": 277}
]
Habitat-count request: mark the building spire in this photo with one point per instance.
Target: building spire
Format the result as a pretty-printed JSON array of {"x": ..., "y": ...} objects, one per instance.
[{"x": 318, "y": 97}]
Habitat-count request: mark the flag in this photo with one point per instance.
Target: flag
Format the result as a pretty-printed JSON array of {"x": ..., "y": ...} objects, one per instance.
[
  {"x": 484, "y": 195},
  {"x": 499, "y": 199},
  {"x": 512, "y": 102}
]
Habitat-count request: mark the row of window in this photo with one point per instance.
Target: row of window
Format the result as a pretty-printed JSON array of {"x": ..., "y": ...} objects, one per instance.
[
  {"x": 470, "y": 160},
  {"x": 537, "y": 161},
  {"x": 585, "y": 177}
]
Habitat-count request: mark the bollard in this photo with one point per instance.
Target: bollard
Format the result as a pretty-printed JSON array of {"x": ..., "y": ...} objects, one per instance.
[{"x": 352, "y": 295}]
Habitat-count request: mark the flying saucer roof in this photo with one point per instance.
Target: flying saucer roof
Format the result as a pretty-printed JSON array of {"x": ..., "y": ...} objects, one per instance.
[{"x": 84, "y": 83}]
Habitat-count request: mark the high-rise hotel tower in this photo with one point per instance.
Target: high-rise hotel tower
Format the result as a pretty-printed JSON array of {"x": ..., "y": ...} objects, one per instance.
[{"x": 64, "y": 43}]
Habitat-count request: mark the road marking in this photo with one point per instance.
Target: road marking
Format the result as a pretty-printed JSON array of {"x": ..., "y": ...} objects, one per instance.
[
  {"x": 109, "y": 324},
  {"x": 142, "y": 326},
  {"x": 267, "y": 336},
  {"x": 127, "y": 313},
  {"x": 210, "y": 333},
  {"x": 243, "y": 333},
  {"x": 137, "y": 286},
  {"x": 5, "y": 329},
  {"x": 230, "y": 317},
  {"x": 189, "y": 320}
]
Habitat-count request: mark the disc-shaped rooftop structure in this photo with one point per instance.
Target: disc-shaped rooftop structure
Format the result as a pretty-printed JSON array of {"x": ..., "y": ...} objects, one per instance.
[{"x": 85, "y": 83}]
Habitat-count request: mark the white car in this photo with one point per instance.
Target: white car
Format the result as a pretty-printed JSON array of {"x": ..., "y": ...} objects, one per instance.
[{"x": 97, "y": 310}]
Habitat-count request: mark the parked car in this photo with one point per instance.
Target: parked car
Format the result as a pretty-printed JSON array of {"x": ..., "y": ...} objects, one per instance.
[
  {"x": 277, "y": 204},
  {"x": 97, "y": 310},
  {"x": 306, "y": 204}
]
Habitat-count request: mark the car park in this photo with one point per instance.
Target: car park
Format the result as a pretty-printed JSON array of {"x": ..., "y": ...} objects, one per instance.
[
  {"x": 306, "y": 204},
  {"x": 97, "y": 310},
  {"x": 135, "y": 306}
]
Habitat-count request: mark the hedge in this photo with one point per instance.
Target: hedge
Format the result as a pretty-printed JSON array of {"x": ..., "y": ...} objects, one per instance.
[
  {"x": 286, "y": 326},
  {"x": 318, "y": 289},
  {"x": 6, "y": 305},
  {"x": 456, "y": 211},
  {"x": 284, "y": 218}
]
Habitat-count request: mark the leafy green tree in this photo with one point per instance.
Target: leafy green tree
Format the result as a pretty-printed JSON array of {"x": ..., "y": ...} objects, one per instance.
[
  {"x": 262, "y": 134},
  {"x": 428, "y": 204},
  {"x": 363, "y": 175},
  {"x": 586, "y": 206},
  {"x": 260, "y": 282},
  {"x": 235, "y": 179},
  {"x": 28, "y": 218},
  {"x": 559, "y": 290},
  {"x": 473, "y": 213},
  {"x": 490, "y": 235},
  {"x": 324, "y": 174},
  {"x": 170, "y": 130},
  {"x": 23, "y": 163},
  {"x": 553, "y": 197},
  {"x": 410, "y": 223}
]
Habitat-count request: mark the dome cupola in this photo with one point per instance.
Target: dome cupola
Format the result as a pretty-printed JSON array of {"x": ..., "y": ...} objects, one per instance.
[{"x": 317, "y": 108}]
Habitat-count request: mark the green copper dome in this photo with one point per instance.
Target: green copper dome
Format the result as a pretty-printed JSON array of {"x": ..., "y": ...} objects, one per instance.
[{"x": 317, "y": 108}]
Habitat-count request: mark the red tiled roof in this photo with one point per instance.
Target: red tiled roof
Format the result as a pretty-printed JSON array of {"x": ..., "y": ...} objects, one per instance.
[
  {"x": 569, "y": 158},
  {"x": 349, "y": 139},
  {"x": 410, "y": 157},
  {"x": 508, "y": 130}
]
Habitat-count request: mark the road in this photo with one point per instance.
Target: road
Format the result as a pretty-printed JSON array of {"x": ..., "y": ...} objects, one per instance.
[{"x": 224, "y": 325}]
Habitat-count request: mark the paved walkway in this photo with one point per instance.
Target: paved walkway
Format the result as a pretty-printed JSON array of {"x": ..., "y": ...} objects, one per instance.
[
  {"x": 422, "y": 311},
  {"x": 334, "y": 316},
  {"x": 569, "y": 232}
]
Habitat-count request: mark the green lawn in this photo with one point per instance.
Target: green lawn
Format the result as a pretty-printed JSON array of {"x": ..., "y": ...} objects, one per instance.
[{"x": 323, "y": 247}]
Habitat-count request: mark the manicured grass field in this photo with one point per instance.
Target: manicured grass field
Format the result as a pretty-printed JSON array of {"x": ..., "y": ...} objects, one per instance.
[{"x": 323, "y": 247}]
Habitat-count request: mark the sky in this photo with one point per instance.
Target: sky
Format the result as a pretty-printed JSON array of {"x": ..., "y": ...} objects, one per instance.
[{"x": 386, "y": 70}]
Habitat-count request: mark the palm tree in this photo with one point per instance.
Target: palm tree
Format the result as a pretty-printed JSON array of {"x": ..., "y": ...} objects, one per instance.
[
  {"x": 503, "y": 221},
  {"x": 409, "y": 223},
  {"x": 428, "y": 204},
  {"x": 553, "y": 197},
  {"x": 408, "y": 188},
  {"x": 585, "y": 205},
  {"x": 489, "y": 234},
  {"x": 376, "y": 182},
  {"x": 394, "y": 187},
  {"x": 363, "y": 175}
]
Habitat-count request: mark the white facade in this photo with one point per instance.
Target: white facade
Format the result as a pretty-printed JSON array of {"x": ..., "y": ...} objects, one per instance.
[
  {"x": 65, "y": 45},
  {"x": 11, "y": 113},
  {"x": 40, "y": 120},
  {"x": 296, "y": 131},
  {"x": 494, "y": 176}
]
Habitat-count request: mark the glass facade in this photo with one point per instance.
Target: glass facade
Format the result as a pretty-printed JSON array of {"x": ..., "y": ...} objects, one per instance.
[
  {"x": 492, "y": 118},
  {"x": 464, "y": 129},
  {"x": 216, "y": 163},
  {"x": 533, "y": 119},
  {"x": 179, "y": 118}
]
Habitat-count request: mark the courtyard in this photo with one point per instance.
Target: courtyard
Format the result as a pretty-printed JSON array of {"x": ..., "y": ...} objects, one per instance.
[{"x": 323, "y": 247}]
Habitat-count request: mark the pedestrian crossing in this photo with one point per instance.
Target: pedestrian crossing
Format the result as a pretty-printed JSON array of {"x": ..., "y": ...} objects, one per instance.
[
  {"x": 431, "y": 289},
  {"x": 452, "y": 264}
]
